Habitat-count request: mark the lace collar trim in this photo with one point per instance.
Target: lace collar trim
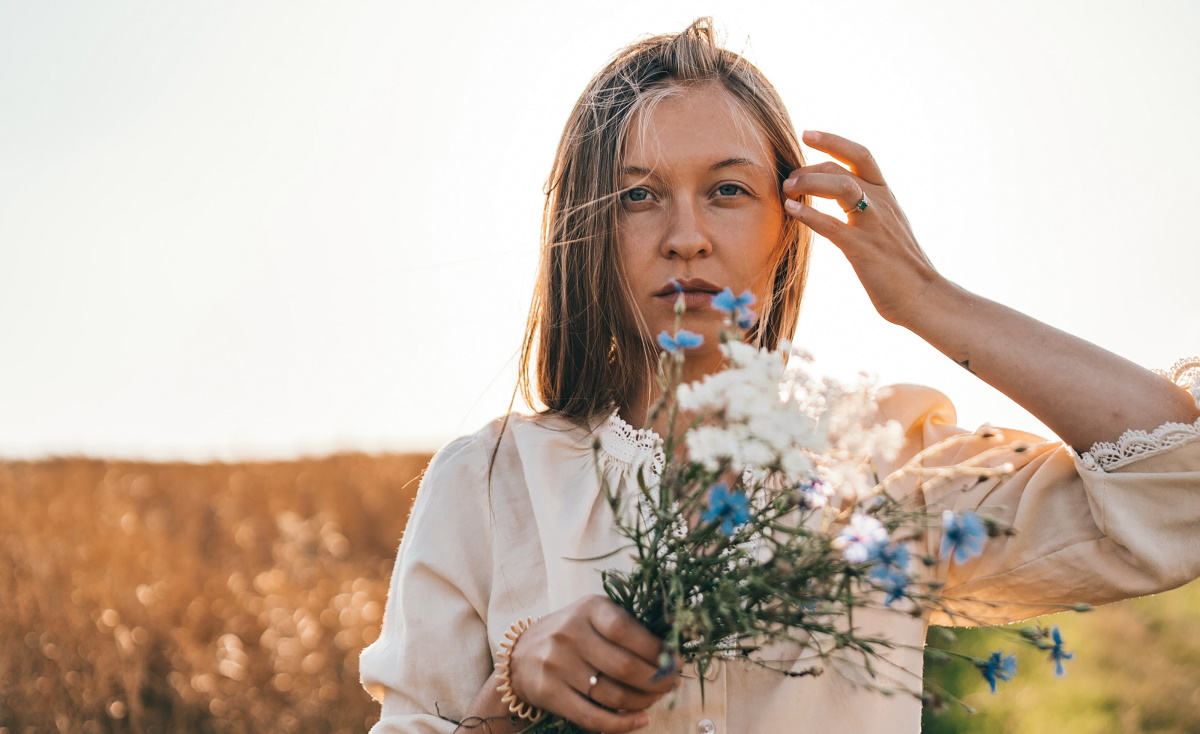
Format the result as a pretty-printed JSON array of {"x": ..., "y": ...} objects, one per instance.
[{"x": 630, "y": 448}]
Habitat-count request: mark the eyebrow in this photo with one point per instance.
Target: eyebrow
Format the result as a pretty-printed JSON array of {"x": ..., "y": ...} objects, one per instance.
[
  {"x": 735, "y": 162},
  {"x": 727, "y": 163}
]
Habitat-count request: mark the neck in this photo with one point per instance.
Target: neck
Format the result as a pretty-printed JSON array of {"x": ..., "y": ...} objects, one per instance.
[{"x": 636, "y": 410}]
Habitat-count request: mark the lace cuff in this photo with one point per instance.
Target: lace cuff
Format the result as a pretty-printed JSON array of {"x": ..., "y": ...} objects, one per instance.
[{"x": 1134, "y": 445}]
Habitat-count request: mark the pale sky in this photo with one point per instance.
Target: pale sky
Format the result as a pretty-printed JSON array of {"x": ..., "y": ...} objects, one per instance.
[{"x": 256, "y": 230}]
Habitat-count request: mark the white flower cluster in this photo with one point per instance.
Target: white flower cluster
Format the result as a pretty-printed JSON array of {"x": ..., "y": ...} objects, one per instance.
[{"x": 769, "y": 412}]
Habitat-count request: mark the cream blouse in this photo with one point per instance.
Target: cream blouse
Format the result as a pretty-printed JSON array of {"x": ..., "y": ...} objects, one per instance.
[{"x": 1120, "y": 521}]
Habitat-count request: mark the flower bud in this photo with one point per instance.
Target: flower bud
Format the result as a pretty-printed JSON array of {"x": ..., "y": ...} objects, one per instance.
[{"x": 934, "y": 655}]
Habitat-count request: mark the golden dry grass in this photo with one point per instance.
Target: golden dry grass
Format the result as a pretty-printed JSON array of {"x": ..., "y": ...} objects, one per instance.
[{"x": 194, "y": 598}]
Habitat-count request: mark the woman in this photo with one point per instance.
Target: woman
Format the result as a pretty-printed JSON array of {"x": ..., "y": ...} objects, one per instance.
[{"x": 679, "y": 165}]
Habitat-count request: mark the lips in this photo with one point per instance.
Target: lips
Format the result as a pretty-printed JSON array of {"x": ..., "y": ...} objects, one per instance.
[
  {"x": 695, "y": 293},
  {"x": 688, "y": 285}
]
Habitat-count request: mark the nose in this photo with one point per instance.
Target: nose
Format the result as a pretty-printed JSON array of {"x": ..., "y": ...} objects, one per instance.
[{"x": 687, "y": 232}]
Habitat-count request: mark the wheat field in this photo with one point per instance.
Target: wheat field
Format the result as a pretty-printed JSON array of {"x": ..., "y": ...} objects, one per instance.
[{"x": 143, "y": 597}]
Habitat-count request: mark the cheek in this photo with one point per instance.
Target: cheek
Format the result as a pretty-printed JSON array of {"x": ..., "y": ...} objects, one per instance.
[
  {"x": 636, "y": 245},
  {"x": 635, "y": 255},
  {"x": 761, "y": 241}
]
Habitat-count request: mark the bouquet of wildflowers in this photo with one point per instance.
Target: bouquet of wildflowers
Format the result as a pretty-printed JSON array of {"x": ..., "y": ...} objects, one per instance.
[{"x": 767, "y": 523}]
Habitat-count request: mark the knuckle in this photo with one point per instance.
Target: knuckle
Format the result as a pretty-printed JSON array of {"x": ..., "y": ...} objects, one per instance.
[
  {"x": 593, "y": 602},
  {"x": 600, "y": 599},
  {"x": 607, "y": 621},
  {"x": 625, "y": 669},
  {"x": 551, "y": 669},
  {"x": 640, "y": 701},
  {"x": 560, "y": 637},
  {"x": 623, "y": 700}
]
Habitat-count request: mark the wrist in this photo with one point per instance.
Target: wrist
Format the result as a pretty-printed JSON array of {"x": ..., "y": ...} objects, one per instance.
[
  {"x": 488, "y": 713},
  {"x": 515, "y": 703},
  {"x": 932, "y": 313}
]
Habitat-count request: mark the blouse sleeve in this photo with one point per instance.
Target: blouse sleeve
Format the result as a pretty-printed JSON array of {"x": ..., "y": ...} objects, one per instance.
[
  {"x": 1082, "y": 531},
  {"x": 433, "y": 654}
]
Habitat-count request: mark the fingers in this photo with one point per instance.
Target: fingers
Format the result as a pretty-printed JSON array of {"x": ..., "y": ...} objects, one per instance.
[
  {"x": 563, "y": 689},
  {"x": 592, "y": 717},
  {"x": 609, "y": 705},
  {"x": 822, "y": 167},
  {"x": 620, "y": 628},
  {"x": 623, "y": 673},
  {"x": 857, "y": 157},
  {"x": 611, "y": 693},
  {"x": 843, "y": 187},
  {"x": 831, "y": 228}
]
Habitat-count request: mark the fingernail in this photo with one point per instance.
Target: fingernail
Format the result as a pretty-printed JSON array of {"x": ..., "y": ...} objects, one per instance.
[
  {"x": 792, "y": 206},
  {"x": 643, "y": 720},
  {"x": 789, "y": 183},
  {"x": 811, "y": 135}
]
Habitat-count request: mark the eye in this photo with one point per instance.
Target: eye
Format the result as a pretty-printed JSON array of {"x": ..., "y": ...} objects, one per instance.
[
  {"x": 730, "y": 190},
  {"x": 635, "y": 195}
]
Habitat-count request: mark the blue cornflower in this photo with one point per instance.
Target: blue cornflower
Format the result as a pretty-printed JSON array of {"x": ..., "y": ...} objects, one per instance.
[
  {"x": 730, "y": 508},
  {"x": 895, "y": 584},
  {"x": 997, "y": 668},
  {"x": 683, "y": 339},
  {"x": 890, "y": 569},
  {"x": 1058, "y": 654},
  {"x": 962, "y": 535},
  {"x": 731, "y": 304},
  {"x": 736, "y": 307},
  {"x": 889, "y": 555}
]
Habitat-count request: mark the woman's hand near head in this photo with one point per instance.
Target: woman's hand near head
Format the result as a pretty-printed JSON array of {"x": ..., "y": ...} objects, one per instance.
[
  {"x": 554, "y": 660},
  {"x": 1082, "y": 392},
  {"x": 877, "y": 240}
]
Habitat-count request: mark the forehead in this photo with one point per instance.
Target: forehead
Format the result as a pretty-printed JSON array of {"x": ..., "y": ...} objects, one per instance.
[{"x": 694, "y": 126}]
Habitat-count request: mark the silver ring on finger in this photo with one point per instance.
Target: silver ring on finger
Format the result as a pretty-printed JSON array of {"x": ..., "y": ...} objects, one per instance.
[
  {"x": 592, "y": 684},
  {"x": 861, "y": 206}
]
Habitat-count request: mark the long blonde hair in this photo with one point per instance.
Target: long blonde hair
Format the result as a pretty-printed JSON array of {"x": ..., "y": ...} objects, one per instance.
[{"x": 583, "y": 353}]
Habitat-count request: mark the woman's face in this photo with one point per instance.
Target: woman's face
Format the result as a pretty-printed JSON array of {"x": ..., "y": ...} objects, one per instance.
[{"x": 700, "y": 205}]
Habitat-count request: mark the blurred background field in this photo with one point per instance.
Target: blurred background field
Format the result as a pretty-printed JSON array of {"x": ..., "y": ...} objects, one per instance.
[
  {"x": 171, "y": 597},
  {"x": 176, "y": 597}
]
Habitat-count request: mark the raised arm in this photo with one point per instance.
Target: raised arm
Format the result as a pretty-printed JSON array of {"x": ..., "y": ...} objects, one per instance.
[{"x": 1085, "y": 394}]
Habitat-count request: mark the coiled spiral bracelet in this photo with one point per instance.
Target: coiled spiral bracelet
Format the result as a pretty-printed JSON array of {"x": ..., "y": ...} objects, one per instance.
[{"x": 504, "y": 666}]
